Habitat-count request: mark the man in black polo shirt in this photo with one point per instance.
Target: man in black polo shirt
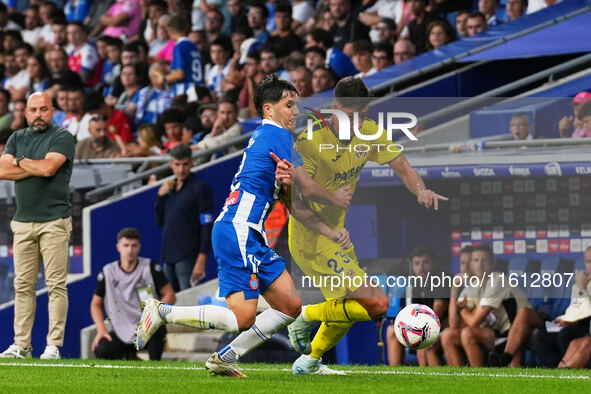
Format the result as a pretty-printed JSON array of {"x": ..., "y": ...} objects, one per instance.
[
  {"x": 183, "y": 209},
  {"x": 347, "y": 27},
  {"x": 417, "y": 28},
  {"x": 39, "y": 159}
]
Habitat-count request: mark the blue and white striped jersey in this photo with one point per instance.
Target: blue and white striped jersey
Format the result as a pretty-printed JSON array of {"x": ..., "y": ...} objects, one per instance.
[
  {"x": 186, "y": 57},
  {"x": 253, "y": 191}
]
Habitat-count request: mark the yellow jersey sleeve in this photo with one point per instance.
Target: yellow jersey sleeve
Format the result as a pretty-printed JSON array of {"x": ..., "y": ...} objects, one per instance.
[{"x": 382, "y": 150}]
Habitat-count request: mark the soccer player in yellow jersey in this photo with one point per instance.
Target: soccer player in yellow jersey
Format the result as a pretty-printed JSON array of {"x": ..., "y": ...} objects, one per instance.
[{"x": 320, "y": 257}]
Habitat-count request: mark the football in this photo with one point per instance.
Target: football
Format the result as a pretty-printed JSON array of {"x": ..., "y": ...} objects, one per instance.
[{"x": 417, "y": 326}]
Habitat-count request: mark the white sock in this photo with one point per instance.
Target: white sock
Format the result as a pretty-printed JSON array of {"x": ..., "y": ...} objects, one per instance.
[
  {"x": 203, "y": 316},
  {"x": 266, "y": 324},
  {"x": 303, "y": 314}
]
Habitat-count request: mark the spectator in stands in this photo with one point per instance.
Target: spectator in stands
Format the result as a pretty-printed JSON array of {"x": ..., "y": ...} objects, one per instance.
[
  {"x": 162, "y": 46},
  {"x": 269, "y": 60},
  {"x": 323, "y": 78},
  {"x": 184, "y": 209},
  {"x": 489, "y": 9},
  {"x": 73, "y": 121},
  {"x": 340, "y": 63},
  {"x": 127, "y": 100},
  {"x": 4, "y": 136},
  {"x": 77, "y": 10},
  {"x": 237, "y": 38},
  {"x": 302, "y": 80},
  {"x": 382, "y": 57},
  {"x": 207, "y": 114},
  {"x": 476, "y": 23},
  {"x": 347, "y": 28},
  {"x": 130, "y": 55},
  {"x": 455, "y": 320},
  {"x": 112, "y": 62},
  {"x": 220, "y": 52},
  {"x": 32, "y": 28},
  {"x": 186, "y": 69},
  {"x": 571, "y": 126},
  {"x": 10, "y": 40},
  {"x": 18, "y": 84},
  {"x": 121, "y": 286},
  {"x": 5, "y": 22},
  {"x": 238, "y": 18},
  {"x": 385, "y": 32},
  {"x": 59, "y": 29},
  {"x": 257, "y": 20},
  {"x": 19, "y": 120},
  {"x": 214, "y": 22},
  {"x": 439, "y": 33},
  {"x": 59, "y": 73},
  {"x": 149, "y": 139},
  {"x": 225, "y": 127},
  {"x": 417, "y": 28},
  {"x": 461, "y": 23},
  {"x": 520, "y": 126},
  {"x": 98, "y": 145},
  {"x": 122, "y": 20},
  {"x": 154, "y": 99},
  {"x": 424, "y": 261},
  {"x": 38, "y": 74},
  {"x": 10, "y": 67},
  {"x": 314, "y": 57},
  {"x": 303, "y": 11},
  {"x": 487, "y": 311},
  {"x": 83, "y": 58},
  {"x": 118, "y": 124},
  {"x": 283, "y": 37},
  {"x": 192, "y": 133},
  {"x": 172, "y": 121},
  {"x": 45, "y": 36},
  {"x": 62, "y": 110},
  {"x": 253, "y": 76},
  {"x": 362, "y": 50},
  {"x": 5, "y": 114},
  {"x": 584, "y": 117},
  {"x": 515, "y": 9},
  {"x": 552, "y": 345},
  {"x": 149, "y": 26}
]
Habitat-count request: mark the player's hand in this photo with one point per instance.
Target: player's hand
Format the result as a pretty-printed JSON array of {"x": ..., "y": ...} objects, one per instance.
[
  {"x": 581, "y": 280},
  {"x": 561, "y": 323},
  {"x": 462, "y": 303},
  {"x": 342, "y": 197},
  {"x": 98, "y": 337},
  {"x": 343, "y": 238},
  {"x": 165, "y": 188},
  {"x": 564, "y": 125},
  {"x": 198, "y": 271},
  {"x": 283, "y": 170},
  {"x": 428, "y": 198}
]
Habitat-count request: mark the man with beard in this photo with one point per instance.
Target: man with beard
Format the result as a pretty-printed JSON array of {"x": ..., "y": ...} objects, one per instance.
[
  {"x": 98, "y": 145},
  {"x": 39, "y": 159}
]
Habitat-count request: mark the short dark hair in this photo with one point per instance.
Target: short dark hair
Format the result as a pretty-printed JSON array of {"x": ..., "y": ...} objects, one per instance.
[
  {"x": 585, "y": 110},
  {"x": 268, "y": 48},
  {"x": 316, "y": 49},
  {"x": 171, "y": 115},
  {"x": 477, "y": 14},
  {"x": 329, "y": 70},
  {"x": 158, "y": 3},
  {"x": 222, "y": 42},
  {"x": 26, "y": 46},
  {"x": 486, "y": 249},
  {"x": 388, "y": 49},
  {"x": 352, "y": 92},
  {"x": 521, "y": 115},
  {"x": 322, "y": 36},
  {"x": 260, "y": 5},
  {"x": 467, "y": 249},
  {"x": 271, "y": 90},
  {"x": 284, "y": 7},
  {"x": 360, "y": 46},
  {"x": 79, "y": 24},
  {"x": 5, "y": 134},
  {"x": 462, "y": 12},
  {"x": 178, "y": 24},
  {"x": 6, "y": 94},
  {"x": 181, "y": 152},
  {"x": 129, "y": 233},
  {"x": 424, "y": 251},
  {"x": 130, "y": 47},
  {"x": 227, "y": 100}
]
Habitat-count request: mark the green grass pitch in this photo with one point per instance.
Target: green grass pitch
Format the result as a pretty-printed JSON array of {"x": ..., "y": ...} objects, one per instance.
[{"x": 94, "y": 376}]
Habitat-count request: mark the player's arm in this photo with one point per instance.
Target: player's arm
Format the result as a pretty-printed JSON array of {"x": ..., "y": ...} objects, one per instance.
[
  {"x": 476, "y": 316},
  {"x": 168, "y": 296},
  {"x": 301, "y": 211},
  {"x": 9, "y": 171},
  {"x": 98, "y": 317},
  {"x": 415, "y": 184},
  {"x": 46, "y": 167},
  {"x": 175, "y": 75},
  {"x": 116, "y": 20}
]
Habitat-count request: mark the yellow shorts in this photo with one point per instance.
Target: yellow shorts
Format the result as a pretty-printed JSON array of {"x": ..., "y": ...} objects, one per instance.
[{"x": 326, "y": 266}]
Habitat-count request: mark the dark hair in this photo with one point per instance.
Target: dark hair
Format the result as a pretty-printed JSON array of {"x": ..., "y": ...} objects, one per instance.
[
  {"x": 158, "y": 3},
  {"x": 461, "y": 12},
  {"x": 322, "y": 36},
  {"x": 181, "y": 152},
  {"x": 388, "y": 49},
  {"x": 178, "y": 24},
  {"x": 477, "y": 14},
  {"x": 284, "y": 7},
  {"x": 15, "y": 34},
  {"x": 486, "y": 249},
  {"x": 424, "y": 251},
  {"x": 130, "y": 47},
  {"x": 77, "y": 23},
  {"x": 330, "y": 71},
  {"x": 360, "y": 46},
  {"x": 269, "y": 48},
  {"x": 261, "y": 5},
  {"x": 467, "y": 249},
  {"x": 271, "y": 90},
  {"x": 222, "y": 42},
  {"x": 218, "y": 13},
  {"x": 171, "y": 115},
  {"x": 226, "y": 100},
  {"x": 5, "y": 134},
  {"x": 449, "y": 31},
  {"x": 202, "y": 91},
  {"x": 6, "y": 94},
  {"x": 352, "y": 92},
  {"x": 129, "y": 233},
  {"x": 584, "y": 111},
  {"x": 57, "y": 17},
  {"x": 113, "y": 41},
  {"x": 26, "y": 46},
  {"x": 3, "y": 8},
  {"x": 316, "y": 49},
  {"x": 43, "y": 71},
  {"x": 93, "y": 101},
  {"x": 521, "y": 115},
  {"x": 256, "y": 55}
]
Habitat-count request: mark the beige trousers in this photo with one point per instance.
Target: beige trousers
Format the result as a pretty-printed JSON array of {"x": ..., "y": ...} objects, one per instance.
[{"x": 33, "y": 242}]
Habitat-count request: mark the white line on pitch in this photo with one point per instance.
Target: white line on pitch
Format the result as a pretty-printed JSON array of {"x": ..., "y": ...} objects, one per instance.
[{"x": 393, "y": 372}]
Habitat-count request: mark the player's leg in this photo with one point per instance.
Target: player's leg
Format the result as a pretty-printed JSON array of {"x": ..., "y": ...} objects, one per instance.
[
  {"x": 395, "y": 348},
  {"x": 452, "y": 346},
  {"x": 578, "y": 353},
  {"x": 156, "y": 344},
  {"x": 432, "y": 355},
  {"x": 476, "y": 340}
]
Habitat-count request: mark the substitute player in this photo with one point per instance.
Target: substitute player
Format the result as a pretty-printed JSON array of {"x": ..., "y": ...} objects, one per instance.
[
  {"x": 247, "y": 266},
  {"x": 317, "y": 255}
]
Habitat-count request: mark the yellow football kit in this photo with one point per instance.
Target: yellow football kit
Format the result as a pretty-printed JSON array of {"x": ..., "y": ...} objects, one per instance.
[{"x": 333, "y": 168}]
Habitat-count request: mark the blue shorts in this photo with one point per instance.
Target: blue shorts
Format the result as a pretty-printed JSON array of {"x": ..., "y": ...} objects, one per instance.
[{"x": 245, "y": 262}]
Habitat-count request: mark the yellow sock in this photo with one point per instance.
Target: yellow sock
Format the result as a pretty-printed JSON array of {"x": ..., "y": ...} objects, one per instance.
[
  {"x": 327, "y": 336},
  {"x": 339, "y": 310}
]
